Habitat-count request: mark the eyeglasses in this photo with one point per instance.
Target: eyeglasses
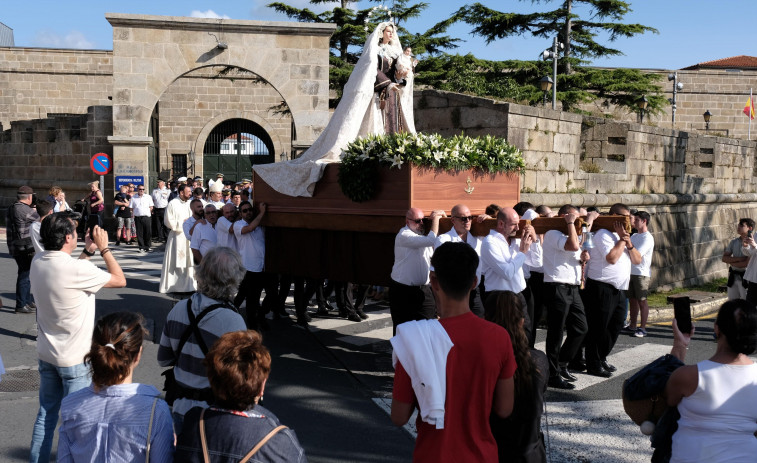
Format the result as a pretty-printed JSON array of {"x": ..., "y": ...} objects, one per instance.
[
  {"x": 417, "y": 221},
  {"x": 464, "y": 218},
  {"x": 140, "y": 189},
  {"x": 249, "y": 209}
]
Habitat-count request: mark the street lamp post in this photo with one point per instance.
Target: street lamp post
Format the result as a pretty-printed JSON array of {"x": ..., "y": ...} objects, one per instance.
[
  {"x": 546, "y": 85},
  {"x": 707, "y": 117},
  {"x": 677, "y": 87},
  {"x": 642, "y": 104},
  {"x": 552, "y": 54}
]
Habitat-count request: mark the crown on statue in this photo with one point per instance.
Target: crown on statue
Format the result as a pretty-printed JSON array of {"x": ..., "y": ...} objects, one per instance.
[{"x": 373, "y": 10}]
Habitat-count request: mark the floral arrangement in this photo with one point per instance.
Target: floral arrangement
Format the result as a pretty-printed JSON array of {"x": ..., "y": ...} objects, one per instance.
[{"x": 358, "y": 171}]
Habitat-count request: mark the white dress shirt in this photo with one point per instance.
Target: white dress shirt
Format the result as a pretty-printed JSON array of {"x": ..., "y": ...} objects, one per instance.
[
  {"x": 141, "y": 205},
  {"x": 560, "y": 266},
  {"x": 223, "y": 237},
  {"x": 598, "y": 269},
  {"x": 160, "y": 197},
  {"x": 251, "y": 246},
  {"x": 203, "y": 238},
  {"x": 188, "y": 226},
  {"x": 473, "y": 241},
  {"x": 412, "y": 257},
  {"x": 502, "y": 262}
]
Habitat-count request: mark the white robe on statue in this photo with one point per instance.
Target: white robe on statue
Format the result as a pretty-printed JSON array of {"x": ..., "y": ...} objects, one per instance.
[
  {"x": 178, "y": 275},
  {"x": 358, "y": 114}
]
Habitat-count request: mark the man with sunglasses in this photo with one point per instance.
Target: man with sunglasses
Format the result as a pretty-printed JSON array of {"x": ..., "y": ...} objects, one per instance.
[
  {"x": 460, "y": 232},
  {"x": 251, "y": 243},
  {"x": 410, "y": 296},
  {"x": 141, "y": 205}
]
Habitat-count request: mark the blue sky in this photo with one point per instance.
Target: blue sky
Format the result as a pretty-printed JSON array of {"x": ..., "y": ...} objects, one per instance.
[{"x": 691, "y": 31}]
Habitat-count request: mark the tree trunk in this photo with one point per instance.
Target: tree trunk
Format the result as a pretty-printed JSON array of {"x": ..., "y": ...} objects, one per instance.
[{"x": 566, "y": 54}]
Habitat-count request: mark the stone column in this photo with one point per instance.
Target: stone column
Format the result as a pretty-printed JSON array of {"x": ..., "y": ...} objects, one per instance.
[{"x": 130, "y": 159}]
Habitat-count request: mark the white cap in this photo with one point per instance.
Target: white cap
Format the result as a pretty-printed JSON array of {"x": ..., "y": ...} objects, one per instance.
[
  {"x": 216, "y": 187},
  {"x": 181, "y": 179},
  {"x": 530, "y": 215}
]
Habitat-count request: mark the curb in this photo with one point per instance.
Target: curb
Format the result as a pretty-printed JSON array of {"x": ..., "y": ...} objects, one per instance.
[{"x": 665, "y": 314}]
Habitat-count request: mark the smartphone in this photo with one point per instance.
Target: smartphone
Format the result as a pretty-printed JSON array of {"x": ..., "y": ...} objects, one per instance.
[
  {"x": 749, "y": 233},
  {"x": 682, "y": 311},
  {"x": 92, "y": 220}
]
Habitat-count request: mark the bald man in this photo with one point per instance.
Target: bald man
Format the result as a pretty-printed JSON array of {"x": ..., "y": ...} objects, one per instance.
[
  {"x": 410, "y": 296},
  {"x": 503, "y": 256}
]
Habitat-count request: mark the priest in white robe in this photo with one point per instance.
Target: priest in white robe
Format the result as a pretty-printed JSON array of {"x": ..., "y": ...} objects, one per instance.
[{"x": 177, "y": 275}]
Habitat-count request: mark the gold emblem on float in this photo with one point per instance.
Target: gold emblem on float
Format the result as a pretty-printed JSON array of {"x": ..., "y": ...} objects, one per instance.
[{"x": 469, "y": 189}]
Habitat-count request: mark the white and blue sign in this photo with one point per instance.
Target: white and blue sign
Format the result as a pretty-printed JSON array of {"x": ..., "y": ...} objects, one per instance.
[
  {"x": 100, "y": 164},
  {"x": 125, "y": 180}
]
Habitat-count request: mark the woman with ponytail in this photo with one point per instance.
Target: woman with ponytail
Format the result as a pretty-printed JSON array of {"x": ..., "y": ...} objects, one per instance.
[
  {"x": 519, "y": 438},
  {"x": 115, "y": 419},
  {"x": 716, "y": 397}
]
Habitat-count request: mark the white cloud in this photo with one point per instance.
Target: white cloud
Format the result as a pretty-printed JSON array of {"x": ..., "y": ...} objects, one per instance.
[
  {"x": 207, "y": 14},
  {"x": 50, "y": 39}
]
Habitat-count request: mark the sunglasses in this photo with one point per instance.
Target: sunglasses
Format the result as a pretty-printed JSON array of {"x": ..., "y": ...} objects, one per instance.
[
  {"x": 464, "y": 218},
  {"x": 417, "y": 221},
  {"x": 245, "y": 210},
  {"x": 140, "y": 189}
]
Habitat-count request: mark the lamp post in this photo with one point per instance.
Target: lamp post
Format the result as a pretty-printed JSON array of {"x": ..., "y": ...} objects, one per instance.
[
  {"x": 707, "y": 117},
  {"x": 642, "y": 104},
  {"x": 546, "y": 85},
  {"x": 552, "y": 54},
  {"x": 677, "y": 87}
]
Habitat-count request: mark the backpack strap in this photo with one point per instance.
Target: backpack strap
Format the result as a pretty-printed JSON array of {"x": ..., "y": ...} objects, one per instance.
[
  {"x": 262, "y": 443},
  {"x": 194, "y": 328}
]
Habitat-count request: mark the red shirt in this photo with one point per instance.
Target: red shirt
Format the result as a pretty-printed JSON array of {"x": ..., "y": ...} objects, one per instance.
[{"x": 482, "y": 354}]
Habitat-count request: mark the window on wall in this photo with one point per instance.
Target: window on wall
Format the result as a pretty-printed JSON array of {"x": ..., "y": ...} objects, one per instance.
[
  {"x": 179, "y": 165},
  {"x": 224, "y": 147}
]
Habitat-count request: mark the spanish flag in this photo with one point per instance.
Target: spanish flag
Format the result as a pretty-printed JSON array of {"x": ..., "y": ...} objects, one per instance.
[{"x": 749, "y": 108}]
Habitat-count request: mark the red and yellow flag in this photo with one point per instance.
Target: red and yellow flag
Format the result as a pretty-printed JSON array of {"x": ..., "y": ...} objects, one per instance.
[{"x": 749, "y": 108}]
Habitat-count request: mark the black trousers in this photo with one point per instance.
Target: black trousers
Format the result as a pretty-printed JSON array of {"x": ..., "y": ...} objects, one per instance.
[
  {"x": 565, "y": 309},
  {"x": 476, "y": 302},
  {"x": 751, "y": 292},
  {"x": 605, "y": 312},
  {"x": 250, "y": 289},
  {"x": 158, "y": 226},
  {"x": 538, "y": 293},
  {"x": 144, "y": 231},
  {"x": 407, "y": 303}
]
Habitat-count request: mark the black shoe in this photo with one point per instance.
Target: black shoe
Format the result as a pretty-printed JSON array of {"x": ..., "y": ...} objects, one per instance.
[
  {"x": 353, "y": 317},
  {"x": 322, "y": 312},
  {"x": 577, "y": 366},
  {"x": 281, "y": 314},
  {"x": 567, "y": 376},
  {"x": 607, "y": 366},
  {"x": 558, "y": 383},
  {"x": 325, "y": 308},
  {"x": 361, "y": 314},
  {"x": 25, "y": 309},
  {"x": 117, "y": 243},
  {"x": 303, "y": 319},
  {"x": 601, "y": 372}
]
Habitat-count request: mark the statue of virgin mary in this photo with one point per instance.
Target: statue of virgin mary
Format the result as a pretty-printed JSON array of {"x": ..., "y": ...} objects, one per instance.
[{"x": 377, "y": 99}]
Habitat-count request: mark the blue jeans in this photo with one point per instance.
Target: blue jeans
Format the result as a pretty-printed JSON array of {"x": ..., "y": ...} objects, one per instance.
[{"x": 55, "y": 383}]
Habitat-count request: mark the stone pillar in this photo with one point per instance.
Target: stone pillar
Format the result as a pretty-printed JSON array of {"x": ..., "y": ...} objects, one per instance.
[{"x": 130, "y": 159}]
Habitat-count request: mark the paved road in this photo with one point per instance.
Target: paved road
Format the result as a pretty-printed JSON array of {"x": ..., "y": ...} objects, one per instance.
[{"x": 332, "y": 382}]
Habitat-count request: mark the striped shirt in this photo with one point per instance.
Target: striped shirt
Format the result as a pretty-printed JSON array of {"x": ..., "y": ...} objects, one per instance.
[
  {"x": 111, "y": 425},
  {"x": 189, "y": 371}
]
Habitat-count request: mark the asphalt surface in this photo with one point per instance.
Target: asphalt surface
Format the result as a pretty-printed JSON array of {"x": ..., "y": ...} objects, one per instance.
[{"x": 332, "y": 382}]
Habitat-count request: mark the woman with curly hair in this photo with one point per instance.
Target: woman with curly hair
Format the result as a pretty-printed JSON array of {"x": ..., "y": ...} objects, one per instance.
[
  {"x": 115, "y": 419},
  {"x": 236, "y": 426},
  {"x": 519, "y": 437}
]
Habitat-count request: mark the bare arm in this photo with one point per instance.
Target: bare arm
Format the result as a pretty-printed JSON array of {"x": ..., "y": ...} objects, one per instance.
[
  {"x": 504, "y": 397},
  {"x": 572, "y": 242},
  {"x": 197, "y": 256},
  {"x": 401, "y": 412},
  {"x": 117, "y": 278},
  {"x": 250, "y": 227}
]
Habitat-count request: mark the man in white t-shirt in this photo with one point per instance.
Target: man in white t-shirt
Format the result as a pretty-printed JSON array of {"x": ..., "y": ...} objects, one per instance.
[
  {"x": 638, "y": 287},
  {"x": 141, "y": 205},
  {"x": 160, "y": 202},
  {"x": 460, "y": 232},
  {"x": 737, "y": 261},
  {"x": 225, "y": 227},
  {"x": 204, "y": 237},
  {"x": 563, "y": 260},
  {"x": 607, "y": 275},
  {"x": 64, "y": 289}
]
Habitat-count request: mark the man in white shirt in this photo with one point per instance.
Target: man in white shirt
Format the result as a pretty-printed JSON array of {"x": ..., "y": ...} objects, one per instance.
[
  {"x": 225, "y": 227},
  {"x": 141, "y": 205},
  {"x": 563, "y": 261},
  {"x": 607, "y": 275},
  {"x": 638, "y": 287},
  {"x": 196, "y": 206},
  {"x": 460, "y": 232},
  {"x": 64, "y": 289},
  {"x": 737, "y": 261},
  {"x": 204, "y": 237},
  {"x": 160, "y": 201},
  {"x": 177, "y": 274},
  {"x": 44, "y": 208},
  {"x": 251, "y": 243},
  {"x": 503, "y": 256},
  {"x": 410, "y": 296}
]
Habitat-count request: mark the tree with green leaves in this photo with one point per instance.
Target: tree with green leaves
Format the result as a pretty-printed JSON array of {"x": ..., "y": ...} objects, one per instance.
[
  {"x": 576, "y": 83},
  {"x": 353, "y": 27}
]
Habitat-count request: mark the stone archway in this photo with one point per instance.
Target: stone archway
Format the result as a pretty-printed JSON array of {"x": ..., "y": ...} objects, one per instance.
[{"x": 151, "y": 52}]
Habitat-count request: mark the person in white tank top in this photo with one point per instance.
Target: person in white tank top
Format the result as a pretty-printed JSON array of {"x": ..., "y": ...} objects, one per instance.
[{"x": 715, "y": 397}]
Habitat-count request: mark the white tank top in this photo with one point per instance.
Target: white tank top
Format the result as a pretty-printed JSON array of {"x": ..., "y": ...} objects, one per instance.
[{"x": 719, "y": 419}]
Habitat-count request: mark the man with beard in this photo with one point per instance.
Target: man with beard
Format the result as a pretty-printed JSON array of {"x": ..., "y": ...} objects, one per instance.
[
  {"x": 177, "y": 275},
  {"x": 410, "y": 296}
]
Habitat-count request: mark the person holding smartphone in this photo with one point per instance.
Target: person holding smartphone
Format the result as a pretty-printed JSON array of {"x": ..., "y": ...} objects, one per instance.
[{"x": 717, "y": 423}]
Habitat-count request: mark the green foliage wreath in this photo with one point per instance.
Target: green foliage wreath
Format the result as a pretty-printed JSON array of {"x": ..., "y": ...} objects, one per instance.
[{"x": 358, "y": 172}]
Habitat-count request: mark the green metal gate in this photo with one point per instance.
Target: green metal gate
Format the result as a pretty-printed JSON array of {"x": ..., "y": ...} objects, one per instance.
[{"x": 233, "y": 147}]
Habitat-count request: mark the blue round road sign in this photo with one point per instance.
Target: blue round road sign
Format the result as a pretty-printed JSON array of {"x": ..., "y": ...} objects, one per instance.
[{"x": 100, "y": 164}]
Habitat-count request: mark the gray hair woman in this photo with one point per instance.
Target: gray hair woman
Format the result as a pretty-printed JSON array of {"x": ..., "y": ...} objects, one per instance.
[{"x": 211, "y": 310}]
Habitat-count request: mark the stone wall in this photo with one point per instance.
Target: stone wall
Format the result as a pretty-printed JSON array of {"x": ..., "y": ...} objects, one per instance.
[
  {"x": 203, "y": 99},
  {"x": 35, "y": 82},
  {"x": 54, "y": 151}
]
